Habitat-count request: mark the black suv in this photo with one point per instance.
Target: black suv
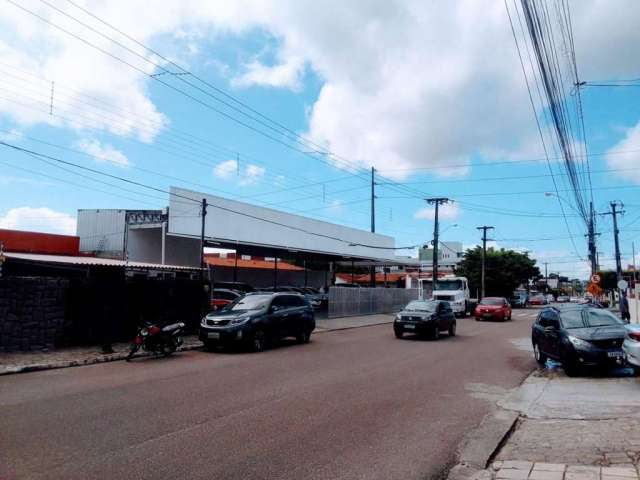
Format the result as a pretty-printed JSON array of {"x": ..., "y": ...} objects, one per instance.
[
  {"x": 425, "y": 317},
  {"x": 577, "y": 336},
  {"x": 259, "y": 318}
]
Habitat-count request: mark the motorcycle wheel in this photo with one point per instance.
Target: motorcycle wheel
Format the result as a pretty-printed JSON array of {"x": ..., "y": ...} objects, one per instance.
[
  {"x": 134, "y": 348},
  {"x": 168, "y": 348}
]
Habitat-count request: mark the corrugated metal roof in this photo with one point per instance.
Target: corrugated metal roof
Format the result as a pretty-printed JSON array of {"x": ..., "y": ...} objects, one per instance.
[
  {"x": 93, "y": 261},
  {"x": 242, "y": 263}
]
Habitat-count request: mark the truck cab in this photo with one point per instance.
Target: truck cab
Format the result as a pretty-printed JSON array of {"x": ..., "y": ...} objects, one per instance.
[{"x": 454, "y": 290}]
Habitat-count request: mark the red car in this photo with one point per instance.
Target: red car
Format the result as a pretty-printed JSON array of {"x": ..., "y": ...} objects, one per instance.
[
  {"x": 537, "y": 300},
  {"x": 220, "y": 298},
  {"x": 493, "y": 308}
]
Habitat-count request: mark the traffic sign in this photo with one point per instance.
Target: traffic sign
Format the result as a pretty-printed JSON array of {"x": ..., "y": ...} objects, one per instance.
[
  {"x": 595, "y": 278},
  {"x": 623, "y": 284}
]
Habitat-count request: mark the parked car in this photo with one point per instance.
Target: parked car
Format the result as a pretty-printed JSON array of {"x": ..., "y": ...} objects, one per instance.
[
  {"x": 577, "y": 336},
  {"x": 425, "y": 317},
  {"x": 631, "y": 347},
  {"x": 221, "y": 297},
  {"x": 520, "y": 301},
  {"x": 562, "y": 299},
  {"x": 549, "y": 298},
  {"x": 538, "y": 300},
  {"x": 237, "y": 286},
  {"x": 575, "y": 299},
  {"x": 315, "y": 299},
  {"x": 258, "y": 319},
  {"x": 493, "y": 308}
]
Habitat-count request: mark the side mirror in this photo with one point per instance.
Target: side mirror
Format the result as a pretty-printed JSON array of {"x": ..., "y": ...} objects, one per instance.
[{"x": 273, "y": 308}]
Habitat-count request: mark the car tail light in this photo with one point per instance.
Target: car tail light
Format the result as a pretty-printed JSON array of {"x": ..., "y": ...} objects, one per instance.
[{"x": 634, "y": 336}]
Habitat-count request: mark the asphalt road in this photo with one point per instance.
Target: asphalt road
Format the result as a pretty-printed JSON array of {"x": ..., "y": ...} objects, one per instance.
[{"x": 352, "y": 404}]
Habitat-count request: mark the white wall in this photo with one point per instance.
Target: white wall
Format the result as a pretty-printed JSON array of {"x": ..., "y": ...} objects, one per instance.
[
  {"x": 145, "y": 245},
  {"x": 232, "y": 221},
  {"x": 101, "y": 232}
]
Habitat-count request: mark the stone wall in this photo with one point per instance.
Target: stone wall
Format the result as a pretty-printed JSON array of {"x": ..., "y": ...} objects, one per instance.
[{"x": 32, "y": 312}]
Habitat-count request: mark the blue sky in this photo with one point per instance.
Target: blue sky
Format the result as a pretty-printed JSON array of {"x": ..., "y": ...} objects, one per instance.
[{"x": 435, "y": 101}]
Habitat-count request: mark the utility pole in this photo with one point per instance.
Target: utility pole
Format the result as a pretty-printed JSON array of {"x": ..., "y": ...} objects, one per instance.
[
  {"x": 484, "y": 229},
  {"x": 204, "y": 216},
  {"x": 437, "y": 202},
  {"x": 373, "y": 220},
  {"x": 614, "y": 213},
  {"x": 592, "y": 241},
  {"x": 635, "y": 277}
]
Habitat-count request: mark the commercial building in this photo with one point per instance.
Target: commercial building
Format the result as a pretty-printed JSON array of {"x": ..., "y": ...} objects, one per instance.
[{"x": 449, "y": 255}]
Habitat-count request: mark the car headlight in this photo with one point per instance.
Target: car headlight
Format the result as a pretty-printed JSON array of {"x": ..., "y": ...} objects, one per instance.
[
  {"x": 144, "y": 332},
  {"x": 203, "y": 322},
  {"x": 397, "y": 319},
  {"x": 579, "y": 343},
  {"x": 238, "y": 321}
]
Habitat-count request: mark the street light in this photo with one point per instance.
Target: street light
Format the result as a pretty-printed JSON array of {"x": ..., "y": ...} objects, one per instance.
[{"x": 563, "y": 200}]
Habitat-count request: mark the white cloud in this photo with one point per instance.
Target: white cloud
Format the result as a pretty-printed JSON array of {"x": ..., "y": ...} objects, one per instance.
[
  {"x": 449, "y": 211},
  {"x": 40, "y": 219},
  {"x": 225, "y": 169},
  {"x": 103, "y": 152},
  {"x": 287, "y": 74},
  {"x": 626, "y": 155},
  {"x": 405, "y": 83},
  {"x": 249, "y": 175}
]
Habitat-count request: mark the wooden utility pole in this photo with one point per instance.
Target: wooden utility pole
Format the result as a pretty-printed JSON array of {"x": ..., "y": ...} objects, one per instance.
[
  {"x": 203, "y": 216},
  {"x": 436, "y": 231},
  {"x": 484, "y": 229}
]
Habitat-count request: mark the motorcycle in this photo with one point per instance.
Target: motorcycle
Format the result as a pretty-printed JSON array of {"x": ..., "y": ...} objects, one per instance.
[{"x": 159, "y": 340}]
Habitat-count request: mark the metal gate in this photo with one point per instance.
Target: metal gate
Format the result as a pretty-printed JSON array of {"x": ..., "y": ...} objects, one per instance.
[{"x": 345, "y": 301}]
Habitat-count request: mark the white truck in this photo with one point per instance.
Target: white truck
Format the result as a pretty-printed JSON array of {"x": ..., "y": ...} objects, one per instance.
[{"x": 454, "y": 290}]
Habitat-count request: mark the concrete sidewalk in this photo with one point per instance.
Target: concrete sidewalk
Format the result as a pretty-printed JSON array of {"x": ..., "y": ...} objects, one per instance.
[
  {"x": 569, "y": 428},
  {"x": 20, "y": 362}
]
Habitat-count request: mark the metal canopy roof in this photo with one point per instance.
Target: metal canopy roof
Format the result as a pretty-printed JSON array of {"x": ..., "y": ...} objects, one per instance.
[{"x": 93, "y": 261}]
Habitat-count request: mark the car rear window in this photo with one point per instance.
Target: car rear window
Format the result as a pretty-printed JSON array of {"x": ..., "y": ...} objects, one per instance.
[{"x": 492, "y": 301}]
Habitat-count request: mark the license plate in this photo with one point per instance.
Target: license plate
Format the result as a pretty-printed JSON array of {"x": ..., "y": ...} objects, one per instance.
[
  {"x": 410, "y": 327},
  {"x": 615, "y": 354},
  {"x": 213, "y": 335},
  {"x": 487, "y": 315}
]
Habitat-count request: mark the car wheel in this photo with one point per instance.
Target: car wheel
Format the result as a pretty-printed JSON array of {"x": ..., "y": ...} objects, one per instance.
[
  {"x": 258, "y": 341},
  {"x": 398, "y": 333},
  {"x": 636, "y": 370},
  {"x": 478, "y": 319},
  {"x": 452, "y": 330},
  {"x": 540, "y": 357},
  {"x": 509, "y": 317},
  {"x": 570, "y": 368},
  {"x": 304, "y": 337},
  {"x": 435, "y": 334}
]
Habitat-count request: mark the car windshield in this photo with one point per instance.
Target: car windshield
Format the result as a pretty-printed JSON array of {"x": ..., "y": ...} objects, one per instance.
[
  {"x": 602, "y": 318},
  {"x": 449, "y": 284},
  {"x": 419, "y": 306},
  {"x": 572, "y": 318},
  {"x": 491, "y": 301},
  {"x": 250, "y": 302}
]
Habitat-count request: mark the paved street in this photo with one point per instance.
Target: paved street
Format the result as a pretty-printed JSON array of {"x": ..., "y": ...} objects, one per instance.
[{"x": 353, "y": 404}]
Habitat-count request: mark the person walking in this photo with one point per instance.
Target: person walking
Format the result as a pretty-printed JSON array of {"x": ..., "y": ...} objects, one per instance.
[{"x": 624, "y": 308}]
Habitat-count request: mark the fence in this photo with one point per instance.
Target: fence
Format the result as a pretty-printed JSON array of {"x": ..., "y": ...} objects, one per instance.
[{"x": 344, "y": 301}]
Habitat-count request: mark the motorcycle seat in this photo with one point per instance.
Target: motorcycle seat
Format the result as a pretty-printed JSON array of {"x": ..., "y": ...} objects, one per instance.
[{"x": 172, "y": 327}]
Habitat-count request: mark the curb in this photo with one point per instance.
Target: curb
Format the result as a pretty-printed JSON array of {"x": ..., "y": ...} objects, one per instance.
[
  {"x": 36, "y": 367},
  {"x": 326, "y": 330},
  {"x": 480, "y": 446}
]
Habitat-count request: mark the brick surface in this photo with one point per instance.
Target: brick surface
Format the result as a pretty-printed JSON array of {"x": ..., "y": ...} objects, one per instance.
[
  {"x": 549, "y": 467},
  {"x": 620, "y": 472},
  {"x": 512, "y": 474},
  {"x": 520, "y": 465},
  {"x": 611, "y": 442},
  {"x": 546, "y": 475}
]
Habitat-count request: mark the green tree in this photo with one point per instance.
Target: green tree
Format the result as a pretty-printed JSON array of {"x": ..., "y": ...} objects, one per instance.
[{"x": 505, "y": 270}]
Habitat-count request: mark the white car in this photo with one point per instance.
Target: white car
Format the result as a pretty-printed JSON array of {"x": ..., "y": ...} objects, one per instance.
[{"x": 631, "y": 347}]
